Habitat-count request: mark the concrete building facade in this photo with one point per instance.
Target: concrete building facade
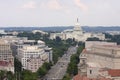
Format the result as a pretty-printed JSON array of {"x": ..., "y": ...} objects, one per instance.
[
  {"x": 6, "y": 57},
  {"x": 29, "y": 52},
  {"x": 98, "y": 59},
  {"x": 33, "y": 64}
]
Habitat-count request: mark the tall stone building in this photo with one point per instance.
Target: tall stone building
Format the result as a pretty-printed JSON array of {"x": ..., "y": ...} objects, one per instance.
[
  {"x": 6, "y": 58},
  {"x": 100, "y": 59}
]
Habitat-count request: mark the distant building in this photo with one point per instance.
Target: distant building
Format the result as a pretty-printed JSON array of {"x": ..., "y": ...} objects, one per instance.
[
  {"x": 100, "y": 60},
  {"x": 13, "y": 39},
  {"x": 2, "y": 32},
  {"x": 6, "y": 58},
  {"x": 76, "y": 33},
  {"x": 113, "y": 32},
  {"x": 39, "y": 31},
  {"x": 14, "y": 33}
]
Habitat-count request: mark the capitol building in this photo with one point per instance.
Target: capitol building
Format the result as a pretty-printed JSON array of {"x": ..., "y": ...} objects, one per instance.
[{"x": 77, "y": 33}]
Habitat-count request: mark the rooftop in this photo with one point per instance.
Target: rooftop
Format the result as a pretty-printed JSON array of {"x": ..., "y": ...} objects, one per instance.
[
  {"x": 114, "y": 72},
  {"x": 79, "y": 77}
]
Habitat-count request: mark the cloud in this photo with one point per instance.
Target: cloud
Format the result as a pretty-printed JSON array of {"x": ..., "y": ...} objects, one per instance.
[
  {"x": 52, "y": 4},
  {"x": 81, "y": 5},
  {"x": 29, "y": 5}
]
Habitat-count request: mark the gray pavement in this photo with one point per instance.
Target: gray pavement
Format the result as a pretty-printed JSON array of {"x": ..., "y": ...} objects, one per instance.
[{"x": 58, "y": 71}]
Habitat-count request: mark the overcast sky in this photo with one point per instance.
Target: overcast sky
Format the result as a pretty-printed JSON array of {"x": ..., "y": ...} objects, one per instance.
[{"x": 59, "y": 12}]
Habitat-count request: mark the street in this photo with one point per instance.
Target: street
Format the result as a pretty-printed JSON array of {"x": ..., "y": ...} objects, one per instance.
[{"x": 58, "y": 71}]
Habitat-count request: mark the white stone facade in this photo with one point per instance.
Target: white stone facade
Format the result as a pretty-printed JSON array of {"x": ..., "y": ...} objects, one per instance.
[
  {"x": 6, "y": 57},
  {"x": 28, "y": 52},
  {"x": 76, "y": 33},
  {"x": 99, "y": 56},
  {"x": 33, "y": 64}
]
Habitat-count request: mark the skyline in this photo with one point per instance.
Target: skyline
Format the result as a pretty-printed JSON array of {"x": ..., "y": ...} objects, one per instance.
[{"x": 59, "y": 13}]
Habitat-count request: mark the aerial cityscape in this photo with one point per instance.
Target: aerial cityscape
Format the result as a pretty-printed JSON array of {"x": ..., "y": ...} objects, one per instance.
[{"x": 60, "y": 40}]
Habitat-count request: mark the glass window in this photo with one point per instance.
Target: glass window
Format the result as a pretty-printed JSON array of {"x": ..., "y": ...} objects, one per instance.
[{"x": 90, "y": 71}]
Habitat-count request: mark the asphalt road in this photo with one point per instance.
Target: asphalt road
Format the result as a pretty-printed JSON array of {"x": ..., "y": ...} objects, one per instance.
[{"x": 58, "y": 71}]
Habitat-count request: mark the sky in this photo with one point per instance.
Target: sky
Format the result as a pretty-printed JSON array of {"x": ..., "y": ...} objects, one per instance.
[{"x": 44, "y": 13}]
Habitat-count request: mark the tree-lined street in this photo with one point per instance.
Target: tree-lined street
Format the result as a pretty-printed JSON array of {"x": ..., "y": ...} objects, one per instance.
[{"x": 58, "y": 71}]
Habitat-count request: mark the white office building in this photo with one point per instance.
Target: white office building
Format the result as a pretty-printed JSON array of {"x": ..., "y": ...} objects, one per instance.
[{"x": 28, "y": 52}]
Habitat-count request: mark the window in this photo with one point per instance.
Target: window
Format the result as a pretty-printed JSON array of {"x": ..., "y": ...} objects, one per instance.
[
  {"x": 83, "y": 61},
  {"x": 90, "y": 71}
]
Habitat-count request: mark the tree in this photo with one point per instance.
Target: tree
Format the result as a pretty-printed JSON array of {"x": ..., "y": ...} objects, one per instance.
[
  {"x": 10, "y": 75},
  {"x": 6, "y": 75},
  {"x": 47, "y": 65},
  {"x": 74, "y": 59},
  {"x": 2, "y": 74},
  {"x": 79, "y": 50},
  {"x": 18, "y": 65},
  {"x": 66, "y": 77},
  {"x": 72, "y": 69},
  {"x": 41, "y": 72},
  {"x": 28, "y": 75},
  {"x": 107, "y": 35},
  {"x": 93, "y": 39},
  {"x": 58, "y": 39},
  {"x": 69, "y": 40},
  {"x": 43, "y": 69}
]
